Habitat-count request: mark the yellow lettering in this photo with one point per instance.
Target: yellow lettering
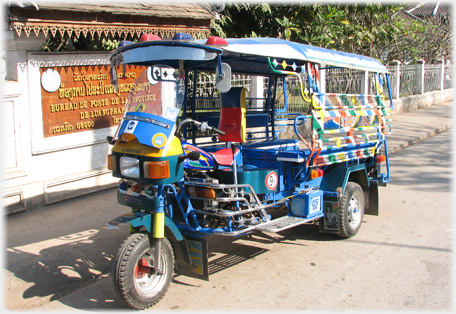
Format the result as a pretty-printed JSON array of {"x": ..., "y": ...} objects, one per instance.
[{"x": 66, "y": 127}]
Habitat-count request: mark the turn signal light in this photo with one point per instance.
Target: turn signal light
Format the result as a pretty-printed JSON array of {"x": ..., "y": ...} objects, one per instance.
[
  {"x": 150, "y": 191},
  {"x": 136, "y": 189},
  {"x": 381, "y": 158},
  {"x": 156, "y": 169},
  {"x": 316, "y": 173},
  {"x": 123, "y": 186},
  {"x": 112, "y": 163}
]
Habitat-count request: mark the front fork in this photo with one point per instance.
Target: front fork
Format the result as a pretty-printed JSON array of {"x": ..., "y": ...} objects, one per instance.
[{"x": 158, "y": 234}]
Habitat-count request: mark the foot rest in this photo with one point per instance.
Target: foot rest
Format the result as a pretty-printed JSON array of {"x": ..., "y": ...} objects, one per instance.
[{"x": 282, "y": 223}]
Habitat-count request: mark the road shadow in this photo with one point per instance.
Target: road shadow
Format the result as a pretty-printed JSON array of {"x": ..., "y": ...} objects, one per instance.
[
  {"x": 53, "y": 257},
  {"x": 55, "y": 271}
]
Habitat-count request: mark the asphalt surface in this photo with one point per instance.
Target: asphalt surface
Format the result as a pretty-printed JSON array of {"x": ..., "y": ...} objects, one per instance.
[{"x": 60, "y": 258}]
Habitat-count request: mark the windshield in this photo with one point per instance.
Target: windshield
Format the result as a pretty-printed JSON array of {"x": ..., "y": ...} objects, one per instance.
[
  {"x": 153, "y": 105},
  {"x": 159, "y": 91}
]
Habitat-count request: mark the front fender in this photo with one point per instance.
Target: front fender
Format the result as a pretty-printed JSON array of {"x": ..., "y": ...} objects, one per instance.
[{"x": 139, "y": 219}]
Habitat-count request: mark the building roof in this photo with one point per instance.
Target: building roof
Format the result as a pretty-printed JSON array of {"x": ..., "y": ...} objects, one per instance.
[
  {"x": 113, "y": 17},
  {"x": 162, "y": 9},
  {"x": 428, "y": 9}
]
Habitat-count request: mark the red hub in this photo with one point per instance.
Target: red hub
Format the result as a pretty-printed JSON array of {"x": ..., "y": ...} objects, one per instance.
[{"x": 143, "y": 268}]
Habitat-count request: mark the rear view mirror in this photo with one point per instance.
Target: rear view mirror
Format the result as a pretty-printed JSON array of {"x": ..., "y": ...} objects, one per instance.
[{"x": 223, "y": 78}]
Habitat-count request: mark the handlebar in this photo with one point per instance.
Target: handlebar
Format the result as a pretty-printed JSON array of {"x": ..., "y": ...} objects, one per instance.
[{"x": 203, "y": 126}]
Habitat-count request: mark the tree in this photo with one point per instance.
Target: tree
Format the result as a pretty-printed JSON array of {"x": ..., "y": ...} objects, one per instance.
[
  {"x": 429, "y": 39},
  {"x": 371, "y": 29},
  {"x": 65, "y": 43}
]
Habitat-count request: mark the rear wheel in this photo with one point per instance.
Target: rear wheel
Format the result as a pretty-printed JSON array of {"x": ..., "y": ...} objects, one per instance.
[
  {"x": 351, "y": 210},
  {"x": 135, "y": 278}
]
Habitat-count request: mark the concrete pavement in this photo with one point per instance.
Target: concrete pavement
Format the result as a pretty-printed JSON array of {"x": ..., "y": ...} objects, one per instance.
[{"x": 64, "y": 250}]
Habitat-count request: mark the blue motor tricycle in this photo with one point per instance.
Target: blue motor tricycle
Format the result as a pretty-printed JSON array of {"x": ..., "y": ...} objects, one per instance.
[{"x": 218, "y": 133}]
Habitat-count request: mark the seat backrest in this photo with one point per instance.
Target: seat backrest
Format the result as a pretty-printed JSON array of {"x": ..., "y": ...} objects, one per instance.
[{"x": 233, "y": 115}]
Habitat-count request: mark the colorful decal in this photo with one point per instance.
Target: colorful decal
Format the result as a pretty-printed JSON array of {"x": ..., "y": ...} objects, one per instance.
[
  {"x": 131, "y": 126},
  {"x": 272, "y": 179},
  {"x": 315, "y": 205},
  {"x": 345, "y": 156},
  {"x": 171, "y": 113},
  {"x": 140, "y": 107},
  {"x": 204, "y": 162},
  {"x": 195, "y": 251},
  {"x": 159, "y": 140}
]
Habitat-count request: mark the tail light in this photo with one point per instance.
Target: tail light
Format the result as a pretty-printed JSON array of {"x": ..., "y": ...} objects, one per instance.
[
  {"x": 381, "y": 158},
  {"x": 201, "y": 192},
  {"x": 316, "y": 173}
]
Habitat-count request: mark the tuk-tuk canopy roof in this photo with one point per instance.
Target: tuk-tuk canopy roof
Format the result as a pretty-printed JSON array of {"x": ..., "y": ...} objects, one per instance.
[
  {"x": 279, "y": 48},
  {"x": 244, "y": 55}
]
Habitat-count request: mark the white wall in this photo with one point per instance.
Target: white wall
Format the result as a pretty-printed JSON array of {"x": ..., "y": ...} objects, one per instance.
[{"x": 39, "y": 170}]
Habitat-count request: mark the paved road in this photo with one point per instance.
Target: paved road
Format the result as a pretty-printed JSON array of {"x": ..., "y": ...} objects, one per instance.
[
  {"x": 60, "y": 258},
  {"x": 399, "y": 260}
]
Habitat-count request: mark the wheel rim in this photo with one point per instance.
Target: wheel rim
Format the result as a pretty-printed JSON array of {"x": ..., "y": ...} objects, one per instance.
[
  {"x": 146, "y": 280},
  {"x": 354, "y": 213}
]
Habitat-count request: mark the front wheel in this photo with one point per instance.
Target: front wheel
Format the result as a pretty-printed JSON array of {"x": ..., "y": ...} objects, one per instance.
[
  {"x": 135, "y": 280},
  {"x": 351, "y": 210}
]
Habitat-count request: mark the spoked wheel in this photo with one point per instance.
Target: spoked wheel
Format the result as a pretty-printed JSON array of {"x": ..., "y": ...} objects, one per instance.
[
  {"x": 351, "y": 210},
  {"x": 135, "y": 278}
]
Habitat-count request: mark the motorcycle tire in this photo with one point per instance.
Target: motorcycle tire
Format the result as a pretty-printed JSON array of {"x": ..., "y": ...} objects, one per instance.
[
  {"x": 351, "y": 210},
  {"x": 135, "y": 280}
]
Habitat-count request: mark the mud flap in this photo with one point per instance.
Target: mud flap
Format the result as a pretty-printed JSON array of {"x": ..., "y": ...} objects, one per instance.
[
  {"x": 197, "y": 251},
  {"x": 329, "y": 223},
  {"x": 372, "y": 209}
]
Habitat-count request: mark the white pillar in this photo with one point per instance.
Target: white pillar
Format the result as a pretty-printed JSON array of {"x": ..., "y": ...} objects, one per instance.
[
  {"x": 442, "y": 74},
  {"x": 420, "y": 76},
  {"x": 256, "y": 91}
]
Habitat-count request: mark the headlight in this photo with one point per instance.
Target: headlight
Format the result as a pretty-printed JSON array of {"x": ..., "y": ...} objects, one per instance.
[{"x": 129, "y": 167}]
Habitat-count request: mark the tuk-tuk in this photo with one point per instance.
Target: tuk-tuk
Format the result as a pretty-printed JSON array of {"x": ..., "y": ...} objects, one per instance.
[{"x": 219, "y": 133}]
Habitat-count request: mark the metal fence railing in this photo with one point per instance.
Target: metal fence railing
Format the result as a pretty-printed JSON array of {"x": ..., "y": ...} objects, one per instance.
[
  {"x": 416, "y": 79},
  {"x": 409, "y": 79}
]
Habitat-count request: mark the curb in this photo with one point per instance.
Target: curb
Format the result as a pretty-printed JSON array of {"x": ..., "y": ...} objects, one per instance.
[{"x": 409, "y": 143}]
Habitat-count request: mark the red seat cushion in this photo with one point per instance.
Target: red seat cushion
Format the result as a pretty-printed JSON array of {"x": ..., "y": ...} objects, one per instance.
[{"x": 224, "y": 157}]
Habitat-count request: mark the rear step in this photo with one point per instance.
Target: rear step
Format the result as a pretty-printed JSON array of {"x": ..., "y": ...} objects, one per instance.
[{"x": 282, "y": 223}]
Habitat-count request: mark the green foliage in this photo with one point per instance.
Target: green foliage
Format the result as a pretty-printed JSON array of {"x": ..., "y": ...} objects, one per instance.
[
  {"x": 371, "y": 29},
  {"x": 95, "y": 43}
]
